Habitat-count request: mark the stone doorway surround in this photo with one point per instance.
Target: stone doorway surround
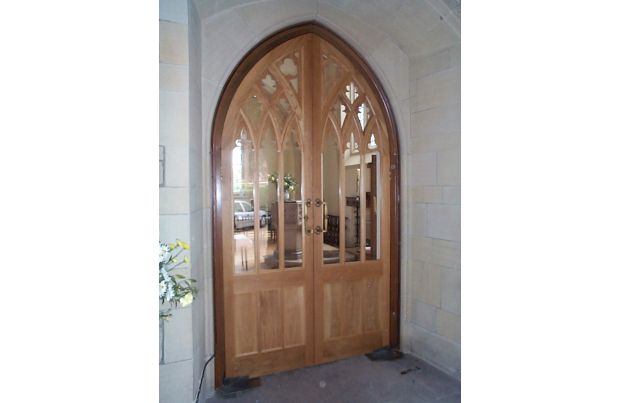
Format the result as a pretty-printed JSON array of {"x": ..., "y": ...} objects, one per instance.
[{"x": 413, "y": 46}]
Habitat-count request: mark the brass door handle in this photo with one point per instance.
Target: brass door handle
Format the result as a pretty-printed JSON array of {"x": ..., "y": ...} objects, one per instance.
[
  {"x": 318, "y": 230},
  {"x": 307, "y": 204},
  {"x": 324, "y": 216},
  {"x": 318, "y": 202}
]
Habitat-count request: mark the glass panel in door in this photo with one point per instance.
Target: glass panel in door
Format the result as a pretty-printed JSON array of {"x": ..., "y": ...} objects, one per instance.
[
  {"x": 243, "y": 210},
  {"x": 267, "y": 199},
  {"x": 330, "y": 161},
  {"x": 293, "y": 205}
]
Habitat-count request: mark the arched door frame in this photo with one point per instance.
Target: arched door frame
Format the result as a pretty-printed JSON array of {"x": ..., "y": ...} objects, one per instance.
[{"x": 233, "y": 82}]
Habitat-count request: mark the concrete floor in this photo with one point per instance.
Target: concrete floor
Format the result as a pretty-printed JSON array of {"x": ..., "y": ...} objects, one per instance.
[{"x": 355, "y": 380}]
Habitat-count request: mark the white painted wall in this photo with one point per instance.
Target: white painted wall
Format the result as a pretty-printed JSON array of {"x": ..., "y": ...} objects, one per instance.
[{"x": 414, "y": 48}]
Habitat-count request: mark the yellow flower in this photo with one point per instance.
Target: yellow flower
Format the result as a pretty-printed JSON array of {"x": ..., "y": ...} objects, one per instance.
[
  {"x": 186, "y": 259},
  {"x": 186, "y": 299},
  {"x": 183, "y": 245},
  {"x": 173, "y": 245}
]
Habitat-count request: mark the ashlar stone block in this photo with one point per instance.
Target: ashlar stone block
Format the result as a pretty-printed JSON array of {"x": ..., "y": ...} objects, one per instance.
[
  {"x": 420, "y": 144},
  {"x": 451, "y": 291},
  {"x": 426, "y": 283},
  {"x": 173, "y": 200},
  {"x": 176, "y": 166},
  {"x": 427, "y": 194},
  {"x": 418, "y": 227},
  {"x": 422, "y": 248},
  {"x": 449, "y": 167},
  {"x": 173, "y": 77},
  {"x": 455, "y": 55},
  {"x": 444, "y": 222},
  {"x": 173, "y": 43},
  {"x": 430, "y": 64},
  {"x": 424, "y": 169},
  {"x": 443, "y": 88},
  {"x": 425, "y": 315},
  {"x": 173, "y": 118},
  {"x": 449, "y": 325},
  {"x": 173, "y": 227},
  {"x": 446, "y": 253},
  {"x": 440, "y": 121},
  {"x": 452, "y": 195}
]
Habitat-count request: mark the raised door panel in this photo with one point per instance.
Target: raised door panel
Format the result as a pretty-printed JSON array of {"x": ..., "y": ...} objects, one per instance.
[
  {"x": 246, "y": 341},
  {"x": 270, "y": 320},
  {"x": 294, "y": 303}
]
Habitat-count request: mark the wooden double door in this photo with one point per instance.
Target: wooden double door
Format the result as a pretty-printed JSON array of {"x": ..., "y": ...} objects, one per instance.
[{"x": 305, "y": 196}]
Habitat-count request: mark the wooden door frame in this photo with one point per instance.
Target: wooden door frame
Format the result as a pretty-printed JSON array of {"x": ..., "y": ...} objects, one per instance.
[{"x": 230, "y": 88}]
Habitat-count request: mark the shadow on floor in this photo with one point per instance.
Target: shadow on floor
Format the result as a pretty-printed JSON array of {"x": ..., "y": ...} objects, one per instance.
[{"x": 355, "y": 380}]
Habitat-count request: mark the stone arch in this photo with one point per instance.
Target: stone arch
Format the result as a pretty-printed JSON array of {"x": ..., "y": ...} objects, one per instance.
[{"x": 216, "y": 72}]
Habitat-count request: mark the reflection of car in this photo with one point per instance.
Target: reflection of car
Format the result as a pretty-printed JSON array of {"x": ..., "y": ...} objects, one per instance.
[{"x": 244, "y": 215}]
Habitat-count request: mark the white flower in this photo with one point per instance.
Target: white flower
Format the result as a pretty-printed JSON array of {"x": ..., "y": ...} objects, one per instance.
[
  {"x": 187, "y": 299},
  {"x": 169, "y": 294},
  {"x": 162, "y": 288},
  {"x": 164, "y": 253}
]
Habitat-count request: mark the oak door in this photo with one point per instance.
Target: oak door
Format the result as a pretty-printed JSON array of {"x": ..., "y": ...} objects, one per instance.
[{"x": 305, "y": 207}]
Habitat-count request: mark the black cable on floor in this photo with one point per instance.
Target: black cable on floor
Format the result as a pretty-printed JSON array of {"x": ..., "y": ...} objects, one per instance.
[{"x": 202, "y": 377}]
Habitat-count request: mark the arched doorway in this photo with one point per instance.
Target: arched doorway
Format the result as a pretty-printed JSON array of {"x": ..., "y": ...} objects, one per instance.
[{"x": 306, "y": 217}]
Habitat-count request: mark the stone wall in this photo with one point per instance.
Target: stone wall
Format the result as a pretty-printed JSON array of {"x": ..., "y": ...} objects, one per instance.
[
  {"x": 432, "y": 328},
  {"x": 176, "y": 370},
  {"x": 414, "y": 48}
]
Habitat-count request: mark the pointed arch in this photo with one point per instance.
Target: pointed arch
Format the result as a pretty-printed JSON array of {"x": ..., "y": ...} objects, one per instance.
[{"x": 387, "y": 130}]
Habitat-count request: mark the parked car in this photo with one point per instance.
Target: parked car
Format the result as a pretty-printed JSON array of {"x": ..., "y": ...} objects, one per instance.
[{"x": 244, "y": 215}]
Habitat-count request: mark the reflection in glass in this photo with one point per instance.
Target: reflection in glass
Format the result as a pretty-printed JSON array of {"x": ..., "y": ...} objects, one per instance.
[
  {"x": 269, "y": 84},
  {"x": 282, "y": 109},
  {"x": 343, "y": 114},
  {"x": 331, "y": 74},
  {"x": 267, "y": 200},
  {"x": 293, "y": 208},
  {"x": 243, "y": 210},
  {"x": 253, "y": 109},
  {"x": 373, "y": 200},
  {"x": 351, "y": 92},
  {"x": 331, "y": 178},
  {"x": 352, "y": 177},
  {"x": 372, "y": 144},
  {"x": 363, "y": 114},
  {"x": 288, "y": 68}
]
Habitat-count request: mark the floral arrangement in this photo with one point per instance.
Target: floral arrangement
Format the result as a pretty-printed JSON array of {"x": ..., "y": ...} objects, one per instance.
[
  {"x": 289, "y": 182},
  {"x": 174, "y": 288}
]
